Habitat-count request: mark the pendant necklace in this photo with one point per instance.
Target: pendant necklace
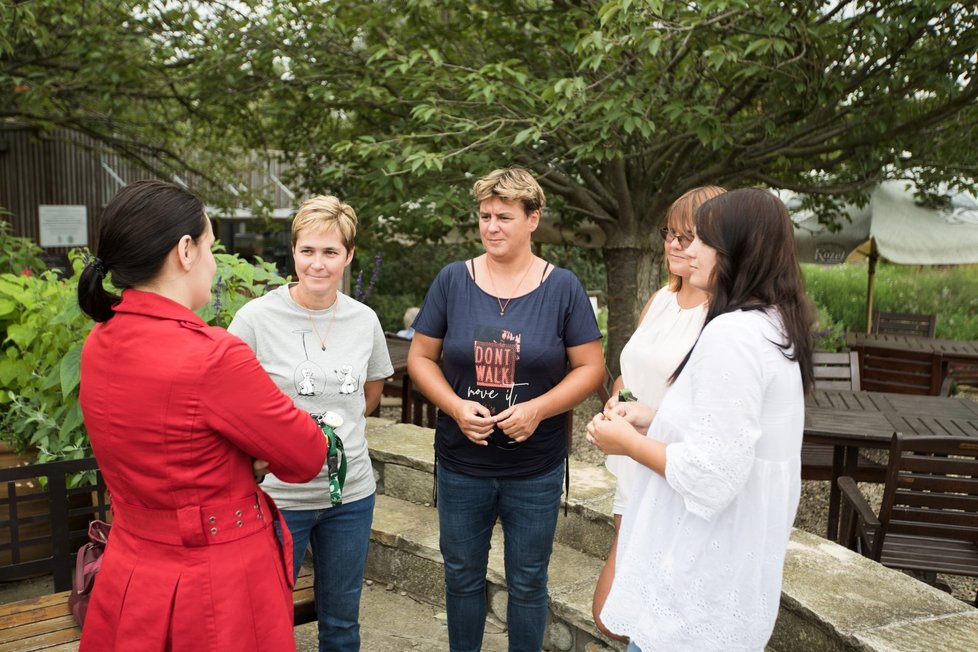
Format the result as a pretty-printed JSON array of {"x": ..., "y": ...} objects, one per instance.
[
  {"x": 492, "y": 284},
  {"x": 322, "y": 340}
]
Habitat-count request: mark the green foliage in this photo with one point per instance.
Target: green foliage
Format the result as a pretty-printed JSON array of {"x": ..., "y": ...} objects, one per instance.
[
  {"x": 237, "y": 282},
  {"x": 951, "y": 293},
  {"x": 115, "y": 71},
  {"x": 830, "y": 335},
  {"x": 40, "y": 362},
  {"x": 619, "y": 106},
  {"x": 18, "y": 254}
]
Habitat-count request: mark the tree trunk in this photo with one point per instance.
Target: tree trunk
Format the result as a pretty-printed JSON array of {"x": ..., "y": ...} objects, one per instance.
[{"x": 633, "y": 275}]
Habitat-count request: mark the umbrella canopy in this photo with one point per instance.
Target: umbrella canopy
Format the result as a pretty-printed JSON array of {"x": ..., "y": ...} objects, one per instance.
[{"x": 895, "y": 227}]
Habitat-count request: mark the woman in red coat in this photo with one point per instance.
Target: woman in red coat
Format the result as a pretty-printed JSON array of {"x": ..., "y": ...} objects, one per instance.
[{"x": 178, "y": 412}]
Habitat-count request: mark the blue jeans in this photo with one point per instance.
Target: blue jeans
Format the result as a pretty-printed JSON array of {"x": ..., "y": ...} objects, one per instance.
[
  {"x": 632, "y": 647},
  {"x": 467, "y": 510},
  {"x": 340, "y": 536}
]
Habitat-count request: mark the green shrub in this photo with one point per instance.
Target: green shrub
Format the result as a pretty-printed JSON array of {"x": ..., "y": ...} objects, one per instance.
[
  {"x": 951, "y": 293},
  {"x": 18, "y": 254},
  {"x": 39, "y": 364},
  {"x": 41, "y": 355},
  {"x": 830, "y": 335},
  {"x": 237, "y": 282}
]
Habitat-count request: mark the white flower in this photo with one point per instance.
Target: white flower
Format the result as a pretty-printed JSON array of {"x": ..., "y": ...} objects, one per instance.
[{"x": 332, "y": 419}]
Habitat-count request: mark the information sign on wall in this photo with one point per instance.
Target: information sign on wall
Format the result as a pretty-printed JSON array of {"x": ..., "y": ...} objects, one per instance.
[{"x": 63, "y": 226}]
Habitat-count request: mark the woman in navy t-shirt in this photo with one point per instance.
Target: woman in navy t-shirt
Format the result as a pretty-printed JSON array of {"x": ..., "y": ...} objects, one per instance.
[{"x": 505, "y": 345}]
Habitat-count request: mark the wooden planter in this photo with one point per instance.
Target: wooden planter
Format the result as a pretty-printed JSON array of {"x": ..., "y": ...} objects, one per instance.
[{"x": 30, "y": 504}]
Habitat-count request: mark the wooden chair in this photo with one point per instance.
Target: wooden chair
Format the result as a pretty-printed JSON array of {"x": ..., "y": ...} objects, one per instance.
[
  {"x": 836, "y": 370},
  {"x": 928, "y": 520},
  {"x": 963, "y": 373},
  {"x": 902, "y": 372},
  {"x": 904, "y": 323}
]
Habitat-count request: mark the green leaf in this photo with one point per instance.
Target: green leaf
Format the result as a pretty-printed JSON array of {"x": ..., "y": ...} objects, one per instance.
[
  {"x": 22, "y": 335},
  {"x": 526, "y": 134},
  {"x": 71, "y": 370}
]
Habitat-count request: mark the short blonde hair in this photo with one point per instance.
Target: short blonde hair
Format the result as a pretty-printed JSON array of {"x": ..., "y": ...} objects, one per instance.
[
  {"x": 681, "y": 218},
  {"x": 325, "y": 212},
  {"x": 511, "y": 184}
]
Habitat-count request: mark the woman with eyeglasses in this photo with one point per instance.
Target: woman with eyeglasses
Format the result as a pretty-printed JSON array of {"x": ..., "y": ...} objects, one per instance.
[
  {"x": 505, "y": 345},
  {"x": 705, "y": 531},
  {"x": 667, "y": 328}
]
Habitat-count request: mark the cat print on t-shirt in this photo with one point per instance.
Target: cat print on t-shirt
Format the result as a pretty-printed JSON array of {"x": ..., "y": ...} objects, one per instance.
[{"x": 310, "y": 379}]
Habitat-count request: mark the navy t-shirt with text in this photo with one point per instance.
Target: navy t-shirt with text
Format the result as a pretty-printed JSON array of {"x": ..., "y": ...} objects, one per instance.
[{"x": 499, "y": 361}]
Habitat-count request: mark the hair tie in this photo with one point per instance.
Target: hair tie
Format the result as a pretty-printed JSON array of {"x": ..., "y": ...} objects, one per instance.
[{"x": 93, "y": 261}]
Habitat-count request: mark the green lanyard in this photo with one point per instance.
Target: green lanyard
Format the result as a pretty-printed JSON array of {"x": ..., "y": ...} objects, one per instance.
[{"x": 336, "y": 457}]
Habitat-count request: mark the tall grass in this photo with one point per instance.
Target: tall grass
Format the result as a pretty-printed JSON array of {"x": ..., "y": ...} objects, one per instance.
[{"x": 950, "y": 292}]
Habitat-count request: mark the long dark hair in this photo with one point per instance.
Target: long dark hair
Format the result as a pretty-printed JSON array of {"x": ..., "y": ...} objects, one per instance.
[
  {"x": 757, "y": 267},
  {"x": 137, "y": 230}
]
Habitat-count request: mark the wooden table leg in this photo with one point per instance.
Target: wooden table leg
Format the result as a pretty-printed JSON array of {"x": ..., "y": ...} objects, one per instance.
[
  {"x": 844, "y": 461},
  {"x": 406, "y": 399},
  {"x": 835, "y": 495}
]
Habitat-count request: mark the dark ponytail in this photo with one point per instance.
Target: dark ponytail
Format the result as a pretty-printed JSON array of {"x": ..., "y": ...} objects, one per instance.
[
  {"x": 93, "y": 298},
  {"x": 137, "y": 230}
]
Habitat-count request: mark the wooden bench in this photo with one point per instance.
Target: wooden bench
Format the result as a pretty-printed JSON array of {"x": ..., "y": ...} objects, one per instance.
[
  {"x": 46, "y": 623},
  {"x": 38, "y": 509}
]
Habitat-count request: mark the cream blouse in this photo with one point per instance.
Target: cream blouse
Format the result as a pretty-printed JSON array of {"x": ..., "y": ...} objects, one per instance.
[{"x": 653, "y": 352}]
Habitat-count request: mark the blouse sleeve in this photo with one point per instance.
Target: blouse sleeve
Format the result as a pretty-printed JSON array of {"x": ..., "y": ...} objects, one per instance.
[
  {"x": 712, "y": 463},
  {"x": 242, "y": 403},
  {"x": 242, "y": 327}
]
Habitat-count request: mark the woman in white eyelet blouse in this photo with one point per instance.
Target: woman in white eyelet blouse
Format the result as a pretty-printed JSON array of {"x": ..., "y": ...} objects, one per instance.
[{"x": 703, "y": 537}]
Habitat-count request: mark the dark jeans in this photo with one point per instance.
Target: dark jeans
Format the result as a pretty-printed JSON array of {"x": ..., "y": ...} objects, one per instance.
[
  {"x": 340, "y": 536},
  {"x": 467, "y": 510}
]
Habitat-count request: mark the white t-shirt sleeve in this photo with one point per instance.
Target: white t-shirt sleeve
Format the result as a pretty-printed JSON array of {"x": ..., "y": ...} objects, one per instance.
[{"x": 242, "y": 326}]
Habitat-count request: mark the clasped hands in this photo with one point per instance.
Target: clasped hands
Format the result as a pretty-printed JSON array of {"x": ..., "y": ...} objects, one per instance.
[
  {"x": 619, "y": 425},
  {"x": 518, "y": 422}
]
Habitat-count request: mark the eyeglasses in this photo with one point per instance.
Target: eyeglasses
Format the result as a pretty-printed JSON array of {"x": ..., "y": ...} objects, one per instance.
[
  {"x": 669, "y": 236},
  {"x": 499, "y": 439}
]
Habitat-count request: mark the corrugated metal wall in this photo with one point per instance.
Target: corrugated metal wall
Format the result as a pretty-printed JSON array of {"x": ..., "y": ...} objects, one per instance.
[
  {"x": 67, "y": 168},
  {"x": 57, "y": 168}
]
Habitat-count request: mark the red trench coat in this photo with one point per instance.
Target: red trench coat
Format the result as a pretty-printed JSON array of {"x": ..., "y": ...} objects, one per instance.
[{"x": 176, "y": 410}]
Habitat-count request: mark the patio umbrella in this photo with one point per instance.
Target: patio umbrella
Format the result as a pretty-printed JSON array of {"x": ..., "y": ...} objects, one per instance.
[{"x": 892, "y": 226}]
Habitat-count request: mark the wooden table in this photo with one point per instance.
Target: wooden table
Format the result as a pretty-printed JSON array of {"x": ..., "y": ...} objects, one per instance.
[
  {"x": 848, "y": 421},
  {"x": 953, "y": 351},
  {"x": 414, "y": 407}
]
